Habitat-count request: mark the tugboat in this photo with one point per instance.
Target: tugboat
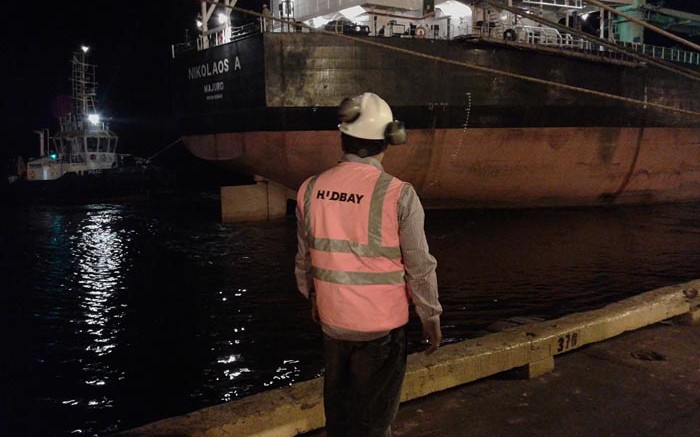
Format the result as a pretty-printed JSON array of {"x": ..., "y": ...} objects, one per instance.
[{"x": 80, "y": 162}]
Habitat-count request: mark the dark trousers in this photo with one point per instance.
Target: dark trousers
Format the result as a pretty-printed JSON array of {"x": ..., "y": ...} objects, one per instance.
[{"x": 362, "y": 384}]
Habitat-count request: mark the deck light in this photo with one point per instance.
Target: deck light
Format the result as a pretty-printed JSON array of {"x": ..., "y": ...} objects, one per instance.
[
  {"x": 199, "y": 23},
  {"x": 94, "y": 118},
  {"x": 53, "y": 156},
  {"x": 222, "y": 18},
  {"x": 84, "y": 48}
]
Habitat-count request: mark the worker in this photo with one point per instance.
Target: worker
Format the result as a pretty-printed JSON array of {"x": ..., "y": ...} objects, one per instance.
[{"x": 362, "y": 254}]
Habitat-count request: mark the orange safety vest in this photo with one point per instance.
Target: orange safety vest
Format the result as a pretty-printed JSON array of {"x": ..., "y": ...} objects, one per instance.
[{"x": 350, "y": 213}]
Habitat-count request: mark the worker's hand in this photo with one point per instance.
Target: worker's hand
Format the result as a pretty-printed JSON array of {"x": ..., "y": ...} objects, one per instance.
[
  {"x": 433, "y": 335},
  {"x": 314, "y": 308}
]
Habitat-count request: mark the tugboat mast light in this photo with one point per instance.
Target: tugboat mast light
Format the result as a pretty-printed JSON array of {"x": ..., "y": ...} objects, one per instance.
[
  {"x": 84, "y": 48},
  {"x": 94, "y": 118}
]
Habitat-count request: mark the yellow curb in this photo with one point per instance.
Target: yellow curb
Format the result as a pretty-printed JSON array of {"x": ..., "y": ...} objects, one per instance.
[{"x": 288, "y": 411}]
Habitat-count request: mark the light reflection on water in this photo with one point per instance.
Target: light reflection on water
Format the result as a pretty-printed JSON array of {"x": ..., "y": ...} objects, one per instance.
[
  {"x": 120, "y": 315},
  {"x": 98, "y": 254}
]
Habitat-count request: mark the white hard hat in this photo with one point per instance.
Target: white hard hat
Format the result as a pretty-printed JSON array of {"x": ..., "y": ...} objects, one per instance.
[{"x": 365, "y": 116}]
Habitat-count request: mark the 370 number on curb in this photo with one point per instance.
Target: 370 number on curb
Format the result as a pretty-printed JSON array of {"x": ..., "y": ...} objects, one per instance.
[{"x": 567, "y": 342}]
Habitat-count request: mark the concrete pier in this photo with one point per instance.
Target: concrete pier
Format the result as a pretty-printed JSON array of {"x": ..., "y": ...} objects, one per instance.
[
  {"x": 642, "y": 383},
  {"x": 529, "y": 348}
]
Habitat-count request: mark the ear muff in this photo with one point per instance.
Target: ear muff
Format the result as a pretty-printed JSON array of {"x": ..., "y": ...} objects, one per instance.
[
  {"x": 395, "y": 133},
  {"x": 349, "y": 110}
]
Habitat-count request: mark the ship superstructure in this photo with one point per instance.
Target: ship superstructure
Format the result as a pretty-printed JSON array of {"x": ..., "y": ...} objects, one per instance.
[{"x": 84, "y": 143}]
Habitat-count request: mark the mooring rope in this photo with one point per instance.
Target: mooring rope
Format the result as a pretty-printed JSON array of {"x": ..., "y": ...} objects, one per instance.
[{"x": 164, "y": 149}]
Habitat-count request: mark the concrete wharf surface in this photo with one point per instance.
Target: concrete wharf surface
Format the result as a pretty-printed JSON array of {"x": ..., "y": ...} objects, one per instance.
[{"x": 640, "y": 383}]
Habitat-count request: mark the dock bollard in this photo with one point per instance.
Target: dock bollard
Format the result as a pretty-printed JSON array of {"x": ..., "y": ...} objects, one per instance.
[{"x": 692, "y": 317}]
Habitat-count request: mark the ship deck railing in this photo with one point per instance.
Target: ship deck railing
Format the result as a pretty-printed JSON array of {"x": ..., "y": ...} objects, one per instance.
[
  {"x": 658, "y": 52},
  {"x": 71, "y": 124},
  {"x": 571, "y": 4},
  {"x": 54, "y": 158},
  {"x": 536, "y": 36},
  {"x": 666, "y": 53},
  {"x": 213, "y": 39}
]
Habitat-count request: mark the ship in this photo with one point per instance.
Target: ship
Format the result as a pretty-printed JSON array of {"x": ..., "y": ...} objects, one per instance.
[
  {"x": 79, "y": 162},
  {"x": 507, "y": 104}
]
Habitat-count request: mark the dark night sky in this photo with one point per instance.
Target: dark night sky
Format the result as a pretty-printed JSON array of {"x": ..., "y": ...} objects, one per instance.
[{"x": 130, "y": 43}]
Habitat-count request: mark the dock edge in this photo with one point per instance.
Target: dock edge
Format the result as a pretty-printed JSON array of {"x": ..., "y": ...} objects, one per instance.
[{"x": 298, "y": 408}]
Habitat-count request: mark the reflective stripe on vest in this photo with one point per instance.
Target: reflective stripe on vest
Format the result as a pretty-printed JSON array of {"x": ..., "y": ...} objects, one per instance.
[{"x": 355, "y": 253}]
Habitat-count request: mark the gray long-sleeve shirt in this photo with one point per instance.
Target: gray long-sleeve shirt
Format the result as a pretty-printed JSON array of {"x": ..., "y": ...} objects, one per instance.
[{"x": 419, "y": 265}]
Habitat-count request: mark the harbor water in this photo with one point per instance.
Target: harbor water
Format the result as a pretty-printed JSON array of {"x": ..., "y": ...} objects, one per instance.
[{"x": 114, "y": 315}]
